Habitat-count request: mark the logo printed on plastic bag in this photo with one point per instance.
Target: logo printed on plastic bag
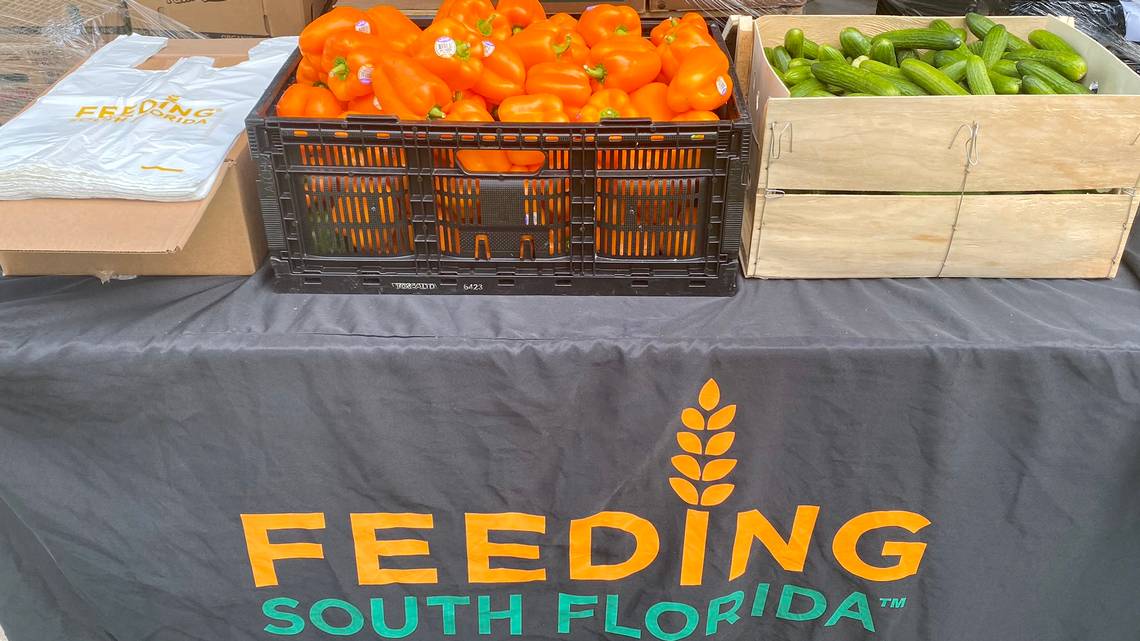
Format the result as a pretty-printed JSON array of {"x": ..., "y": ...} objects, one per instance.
[
  {"x": 445, "y": 47},
  {"x": 167, "y": 109}
]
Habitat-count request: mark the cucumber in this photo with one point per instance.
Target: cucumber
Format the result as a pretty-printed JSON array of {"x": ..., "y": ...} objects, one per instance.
[
  {"x": 1031, "y": 84},
  {"x": 955, "y": 71},
  {"x": 921, "y": 39},
  {"x": 943, "y": 58},
  {"x": 932, "y": 80},
  {"x": 827, "y": 52},
  {"x": 794, "y": 42},
  {"x": 860, "y": 95},
  {"x": 799, "y": 62},
  {"x": 904, "y": 54},
  {"x": 939, "y": 24},
  {"x": 811, "y": 49},
  {"x": 1056, "y": 82},
  {"x": 854, "y": 43},
  {"x": 978, "y": 76},
  {"x": 853, "y": 79},
  {"x": 1049, "y": 41},
  {"x": 993, "y": 46},
  {"x": 820, "y": 93},
  {"x": 769, "y": 54},
  {"x": 976, "y": 47},
  {"x": 806, "y": 87},
  {"x": 929, "y": 57},
  {"x": 1006, "y": 68},
  {"x": 874, "y": 66},
  {"x": 884, "y": 52},
  {"x": 1005, "y": 85},
  {"x": 796, "y": 75},
  {"x": 783, "y": 58},
  {"x": 963, "y": 34},
  {"x": 860, "y": 60},
  {"x": 980, "y": 25},
  {"x": 1070, "y": 65},
  {"x": 907, "y": 88}
]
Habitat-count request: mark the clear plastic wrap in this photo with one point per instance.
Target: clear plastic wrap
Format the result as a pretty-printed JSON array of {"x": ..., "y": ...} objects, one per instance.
[
  {"x": 42, "y": 40},
  {"x": 731, "y": 7},
  {"x": 942, "y": 7},
  {"x": 1103, "y": 21}
]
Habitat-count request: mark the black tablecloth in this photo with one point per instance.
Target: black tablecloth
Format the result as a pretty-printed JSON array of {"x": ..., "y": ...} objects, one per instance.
[{"x": 147, "y": 426}]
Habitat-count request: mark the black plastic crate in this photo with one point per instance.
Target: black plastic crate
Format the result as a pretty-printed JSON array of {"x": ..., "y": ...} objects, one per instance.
[{"x": 374, "y": 204}]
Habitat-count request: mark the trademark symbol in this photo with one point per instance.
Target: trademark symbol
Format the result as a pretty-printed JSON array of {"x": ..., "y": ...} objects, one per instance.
[{"x": 893, "y": 604}]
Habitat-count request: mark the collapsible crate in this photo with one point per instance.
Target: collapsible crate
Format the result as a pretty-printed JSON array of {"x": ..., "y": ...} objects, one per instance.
[{"x": 373, "y": 204}]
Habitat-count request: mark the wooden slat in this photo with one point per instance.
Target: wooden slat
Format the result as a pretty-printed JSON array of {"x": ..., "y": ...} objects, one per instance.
[
  {"x": 1027, "y": 143},
  {"x": 1039, "y": 236},
  {"x": 853, "y": 236},
  {"x": 743, "y": 57},
  {"x": 901, "y": 236}
]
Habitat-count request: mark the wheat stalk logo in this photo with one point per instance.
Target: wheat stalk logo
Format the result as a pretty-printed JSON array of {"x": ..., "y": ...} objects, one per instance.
[{"x": 697, "y": 450}]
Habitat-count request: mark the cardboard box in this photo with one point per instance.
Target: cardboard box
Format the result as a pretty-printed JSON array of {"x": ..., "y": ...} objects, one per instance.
[
  {"x": 427, "y": 7},
  {"x": 940, "y": 186},
  {"x": 219, "y": 235},
  {"x": 241, "y": 18}
]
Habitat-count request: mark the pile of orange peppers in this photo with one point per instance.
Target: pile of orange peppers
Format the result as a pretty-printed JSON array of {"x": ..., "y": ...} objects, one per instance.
[{"x": 479, "y": 62}]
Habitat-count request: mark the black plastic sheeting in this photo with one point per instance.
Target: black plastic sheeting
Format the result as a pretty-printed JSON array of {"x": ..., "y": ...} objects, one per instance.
[
  {"x": 143, "y": 422},
  {"x": 1104, "y": 21}
]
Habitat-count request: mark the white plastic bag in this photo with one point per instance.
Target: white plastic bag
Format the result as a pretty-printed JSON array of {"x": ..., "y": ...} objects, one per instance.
[{"x": 110, "y": 130}]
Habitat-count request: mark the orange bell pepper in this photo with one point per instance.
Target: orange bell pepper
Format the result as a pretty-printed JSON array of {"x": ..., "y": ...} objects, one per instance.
[
  {"x": 678, "y": 44},
  {"x": 407, "y": 89},
  {"x": 649, "y": 102},
  {"x": 603, "y": 20},
  {"x": 364, "y": 105},
  {"x": 504, "y": 75},
  {"x": 348, "y": 61},
  {"x": 621, "y": 62},
  {"x": 469, "y": 96},
  {"x": 567, "y": 80},
  {"x": 482, "y": 160},
  {"x": 520, "y": 14},
  {"x": 309, "y": 73},
  {"x": 657, "y": 35},
  {"x": 564, "y": 20},
  {"x": 548, "y": 42},
  {"x": 451, "y": 51},
  {"x": 696, "y": 115},
  {"x": 313, "y": 37},
  {"x": 526, "y": 169},
  {"x": 399, "y": 32},
  {"x": 702, "y": 81},
  {"x": 607, "y": 103},
  {"x": 541, "y": 107},
  {"x": 479, "y": 16},
  {"x": 307, "y": 101}
]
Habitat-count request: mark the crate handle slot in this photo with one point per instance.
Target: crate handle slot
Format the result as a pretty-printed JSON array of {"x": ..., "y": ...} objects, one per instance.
[{"x": 513, "y": 174}]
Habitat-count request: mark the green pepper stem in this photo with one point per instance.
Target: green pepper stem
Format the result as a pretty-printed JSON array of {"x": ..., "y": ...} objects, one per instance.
[
  {"x": 463, "y": 50},
  {"x": 435, "y": 113},
  {"x": 560, "y": 49},
  {"x": 340, "y": 69},
  {"x": 621, "y": 30},
  {"x": 608, "y": 112},
  {"x": 484, "y": 25},
  {"x": 597, "y": 73}
]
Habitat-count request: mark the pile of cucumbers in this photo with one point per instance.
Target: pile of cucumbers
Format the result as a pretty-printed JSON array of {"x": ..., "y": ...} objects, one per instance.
[{"x": 934, "y": 61}]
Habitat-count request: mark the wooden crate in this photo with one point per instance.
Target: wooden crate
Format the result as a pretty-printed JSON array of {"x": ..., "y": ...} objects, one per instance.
[{"x": 940, "y": 186}]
